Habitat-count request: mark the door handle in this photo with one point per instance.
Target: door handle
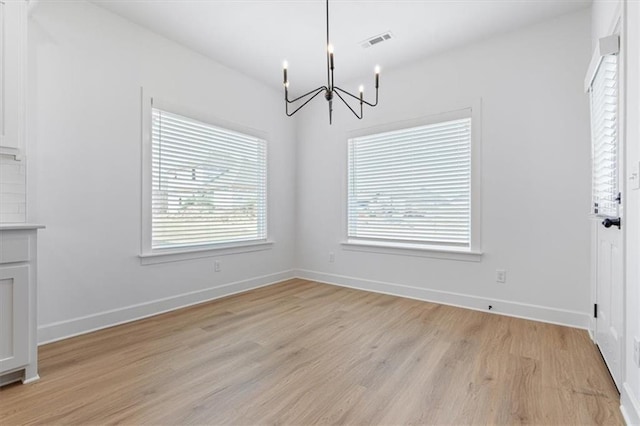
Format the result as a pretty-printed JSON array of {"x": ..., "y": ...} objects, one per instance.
[{"x": 608, "y": 223}]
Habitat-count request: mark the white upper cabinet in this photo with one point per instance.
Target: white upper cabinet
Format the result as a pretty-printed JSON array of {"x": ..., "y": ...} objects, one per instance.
[{"x": 13, "y": 70}]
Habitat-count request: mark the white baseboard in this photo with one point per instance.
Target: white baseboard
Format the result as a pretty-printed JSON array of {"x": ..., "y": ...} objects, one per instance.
[
  {"x": 502, "y": 307},
  {"x": 31, "y": 380},
  {"x": 629, "y": 406},
  {"x": 592, "y": 329},
  {"x": 48, "y": 333}
]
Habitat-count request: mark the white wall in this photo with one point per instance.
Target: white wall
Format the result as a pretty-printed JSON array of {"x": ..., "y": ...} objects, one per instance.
[
  {"x": 86, "y": 69},
  {"x": 603, "y": 13},
  {"x": 535, "y": 176}
]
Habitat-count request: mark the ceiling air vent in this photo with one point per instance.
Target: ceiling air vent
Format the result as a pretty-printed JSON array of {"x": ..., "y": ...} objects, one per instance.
[{"x": 376, "y": 39}]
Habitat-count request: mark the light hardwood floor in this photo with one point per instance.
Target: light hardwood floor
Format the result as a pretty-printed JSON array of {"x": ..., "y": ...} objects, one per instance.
[{"x": 305, "y": 353}]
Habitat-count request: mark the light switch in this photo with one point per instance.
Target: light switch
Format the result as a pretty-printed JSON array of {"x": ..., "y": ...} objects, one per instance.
[{"x": 634, "y": 176}]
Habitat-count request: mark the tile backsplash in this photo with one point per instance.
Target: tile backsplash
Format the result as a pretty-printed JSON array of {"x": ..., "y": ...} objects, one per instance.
[{"x": 13, "y": 195}]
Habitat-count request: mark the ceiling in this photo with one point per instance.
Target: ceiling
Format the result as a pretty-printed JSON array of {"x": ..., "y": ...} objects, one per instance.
[{"x": 255, "y": 36}]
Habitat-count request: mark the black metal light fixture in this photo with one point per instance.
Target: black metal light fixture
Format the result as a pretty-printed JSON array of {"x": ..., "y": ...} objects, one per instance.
[{"x": 330, "y": 89}]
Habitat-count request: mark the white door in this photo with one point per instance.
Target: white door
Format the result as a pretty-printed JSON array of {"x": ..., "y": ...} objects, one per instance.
[
  {"x": 609, "y": 299},
  {"x": 607, "y": 207}
]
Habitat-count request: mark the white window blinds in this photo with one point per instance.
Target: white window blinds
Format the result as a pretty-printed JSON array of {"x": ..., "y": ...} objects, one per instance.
[
  {"x": 604, "y": 134},
  {"x": 412, "y": 186},
  {"x": 209, "y": 184}
]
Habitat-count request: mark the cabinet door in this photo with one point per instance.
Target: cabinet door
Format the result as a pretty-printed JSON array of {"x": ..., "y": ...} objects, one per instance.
[{"x": 14, "y": 317}]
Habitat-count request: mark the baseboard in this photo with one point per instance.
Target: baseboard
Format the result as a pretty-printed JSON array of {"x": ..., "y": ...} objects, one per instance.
[
  {"x": 31, "y": 380},
  {"x": 69, "y": 328},
  {"x": 503, "y": 307},
  {"x": 629, "y": 406},
  {"x": 592, "y": 328}
]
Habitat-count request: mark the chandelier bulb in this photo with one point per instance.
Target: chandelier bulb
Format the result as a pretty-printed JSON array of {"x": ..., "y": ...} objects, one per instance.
[
  {"x": 285, "y": 79},
  {"x": 330, "y": 48}
]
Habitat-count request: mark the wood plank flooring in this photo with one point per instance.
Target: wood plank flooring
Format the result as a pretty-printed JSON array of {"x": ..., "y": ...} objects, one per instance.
[{"x": 300, "y": 352}]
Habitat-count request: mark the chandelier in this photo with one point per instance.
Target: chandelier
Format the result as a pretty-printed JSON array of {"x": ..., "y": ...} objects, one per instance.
[{"x": 330, "y": 89}]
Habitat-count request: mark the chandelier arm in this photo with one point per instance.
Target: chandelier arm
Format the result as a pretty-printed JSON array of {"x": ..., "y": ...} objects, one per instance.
[
  {"x": 286, "y": 105},
  {"x": 355, "y": 97},
  {"x": 286, "y": 94},
  {"x": 372, "y": 105},
  {"x": 349, "y": 106}
]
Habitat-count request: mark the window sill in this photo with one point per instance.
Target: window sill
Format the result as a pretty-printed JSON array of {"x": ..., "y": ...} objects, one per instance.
[
  {"x": 176, "y": 255},
  {"x": 417, "y": 250}
]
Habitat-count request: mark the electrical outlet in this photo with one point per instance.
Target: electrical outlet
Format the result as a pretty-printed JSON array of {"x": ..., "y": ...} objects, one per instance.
[
  {"x": 501, "y": 276},
  {"x": 216, "y": 266},
  {"x": 636, "y": 351},
  {"x": 332, "y": 257}
]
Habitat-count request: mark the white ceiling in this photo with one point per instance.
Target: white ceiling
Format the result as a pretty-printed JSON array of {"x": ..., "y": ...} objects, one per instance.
[{"x": 255, "y": 36}]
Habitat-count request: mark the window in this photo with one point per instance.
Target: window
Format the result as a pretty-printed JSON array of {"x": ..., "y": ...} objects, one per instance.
[
  {"x": 413, "y": 187},
  {"x": 208, "y": 184},
  {"x": 604, "y": 134}
]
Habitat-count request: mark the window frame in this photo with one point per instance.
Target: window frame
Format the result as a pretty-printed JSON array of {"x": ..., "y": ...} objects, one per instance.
[
  {"x": 460, "y": 110},
  {"x": 149, "y": 255}
]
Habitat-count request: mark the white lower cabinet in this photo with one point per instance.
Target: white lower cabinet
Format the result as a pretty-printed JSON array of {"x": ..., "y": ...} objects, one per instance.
[{"x": 18, "y": 297}]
